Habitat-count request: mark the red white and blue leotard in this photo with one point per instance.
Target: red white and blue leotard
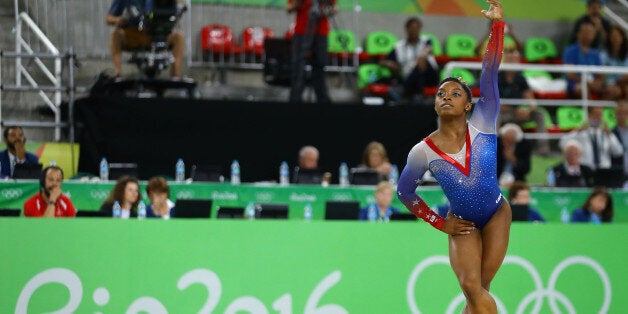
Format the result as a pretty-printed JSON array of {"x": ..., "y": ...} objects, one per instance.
[{"x": 469, "y": 177}]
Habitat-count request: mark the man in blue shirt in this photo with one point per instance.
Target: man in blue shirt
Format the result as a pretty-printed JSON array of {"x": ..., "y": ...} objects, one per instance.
[
  {"x": 15, "y": 153},
  {"x": 582, "y": 53},
  {"x": 125, "y": 16}
]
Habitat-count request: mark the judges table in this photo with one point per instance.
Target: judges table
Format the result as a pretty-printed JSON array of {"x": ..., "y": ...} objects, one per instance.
[{"x": 90, "y": 195}]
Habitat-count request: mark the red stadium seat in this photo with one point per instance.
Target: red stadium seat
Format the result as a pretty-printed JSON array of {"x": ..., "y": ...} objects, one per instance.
[
  {"x": 218, "y": 39},
  {"x": 253, "y": 39}
]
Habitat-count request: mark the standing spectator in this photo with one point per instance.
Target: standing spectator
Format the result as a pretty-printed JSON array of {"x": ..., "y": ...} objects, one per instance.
[
  {"x": 597, "y": 208},
  {"x": 615, "y": 53},
  {"x": 519, "y": 194},
  {"x": 15, "y": 153},
  {"x": 375, "y": 158},
  {"x": 383, "y": 198},
  {"x": 621, "y": 132},
  {"x": 310, "y": 37},
  {"x": 594, "y": 16},
  {"x": 598, "y": 143},
  {"x": 571, "y": 173},
  {"x": 513, "y": 154},
  {"x": 126, "y": 192},
  {"x": 412, "y": 61},
  {"x": 582, "y": 52},
  {"x": 158, "y": 192},
  {"x": 49, "y": 201}
]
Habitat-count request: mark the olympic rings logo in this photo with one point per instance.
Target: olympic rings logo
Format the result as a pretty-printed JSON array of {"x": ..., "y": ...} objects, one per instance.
[
  {"x": 185, "y": 194},
  {"x": 535, "y": 297},
  {"x": 11, "y": 193},
  {"x": 98, "y": 194}
]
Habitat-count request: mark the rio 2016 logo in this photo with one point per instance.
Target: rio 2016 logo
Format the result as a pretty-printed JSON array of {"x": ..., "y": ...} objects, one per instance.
[{"x": 537, "y": 296}]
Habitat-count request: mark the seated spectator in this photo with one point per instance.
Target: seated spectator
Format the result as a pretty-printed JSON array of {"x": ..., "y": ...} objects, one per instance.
[
  {"x": 126, "y": 192},
  {"x": 597, "y": 208},
  {"x": 14, "y": 139},
  {"x": 513, "y": 154},
  {"x": 583, "y": 53},
  {"x": 597, "y": 142},
  {"x": 375, "y": 158},
  {"x": 519, "y": 194},
  {"x": 615, "y": 53},
  {"x": 412, "y": 61},
  {"x": 571, "y": 173},
  {"x": 49, "y": 201},
  {"x": 383, "y": 198},
  {"x": 158, "y": 193},
  {"x": 594, "y": 16}
]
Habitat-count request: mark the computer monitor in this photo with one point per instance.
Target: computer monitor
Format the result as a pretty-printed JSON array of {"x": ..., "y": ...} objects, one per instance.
[
  {"x": 361, "y": 176},
  {"x": 519, "y": 212},
  {"x": 91, "y": 213},
  {"x": 342, "y": 210},
  {"x": 9, "y": 212},
  {"x": 403, "y": 216},
  {"x": 193, "y": 208},
  {"x": 272, "y": 211},
  {"x": 307, "y": 176},
  {"x": 610, "y": 178},
  {"x": 27, "y": 171},
  {"x": 224, "y": 212},
  {"x": 117, "y": 170},
  {"x": 206, "y": 173}
]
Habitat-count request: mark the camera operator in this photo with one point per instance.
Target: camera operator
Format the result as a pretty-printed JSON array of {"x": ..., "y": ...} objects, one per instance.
[{"x": 126, "y": 16}]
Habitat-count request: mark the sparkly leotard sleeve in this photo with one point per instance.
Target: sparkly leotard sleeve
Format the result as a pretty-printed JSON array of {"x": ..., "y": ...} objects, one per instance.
[{"x": 468, "y": 178}]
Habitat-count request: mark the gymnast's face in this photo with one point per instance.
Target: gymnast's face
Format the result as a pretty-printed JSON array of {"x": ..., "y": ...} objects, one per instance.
[{"x": 451, "y": 100}]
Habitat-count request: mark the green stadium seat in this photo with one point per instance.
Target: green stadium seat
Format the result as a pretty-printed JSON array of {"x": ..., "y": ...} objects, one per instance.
[
  {"x": 467, "y": 76},
  {"x": 437, "y": 47},
  {"x": 379, "y": 43},
  {"x": 532, "y": 125},
  {"x": 540, "y": 49},
  {"x": 370, "y": 72},
  {"x": 569, "y": 117},
  {"x": 536, "y": 74},
  {"x": 608, "y": 114},
  {"x": 340, "y": 41},
  {"x": 460, "y": 45}
]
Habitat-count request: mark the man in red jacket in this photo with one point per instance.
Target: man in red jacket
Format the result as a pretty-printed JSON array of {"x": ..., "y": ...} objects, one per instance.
[{"x": 49, "y": 201}]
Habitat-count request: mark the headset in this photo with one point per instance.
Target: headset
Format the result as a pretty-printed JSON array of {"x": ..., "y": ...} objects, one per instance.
[{"x": 42, "y": 177}]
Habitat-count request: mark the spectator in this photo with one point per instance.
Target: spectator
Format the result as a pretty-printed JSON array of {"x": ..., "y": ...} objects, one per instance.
[
  {"x": 571, "y": 173},
  {"x": 412, "y": 61},
  {"x": 310, "y": 37},
  {"x": 519, "y": 194},
  {"x": 601, "y": 25},
  {"x": 125, "y": 16},
  {"x": 512, "y": 84},
  {"x": 375, "y": 158},
  {"x": 598, "y": 143},
  {"x": 158, "y": 193},
  {"x": 307, "y": 171},
  {"x": 383, "y": 198},
  {"x": 583, "y": 53},
  {"x": 615, "y": 53},
  {"x": 598, "y": 207},
  {"x": 513, "y": 154},
  {"x": 15, "y": 153},
  {"x": 49, "y": 201},
  {"x": 621, "y": 132},
  {"x": 126, "y": 192}
]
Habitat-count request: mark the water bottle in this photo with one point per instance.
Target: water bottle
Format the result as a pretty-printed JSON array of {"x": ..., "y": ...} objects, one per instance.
[
  {"x": 343, "y": 178},
  {"x": 179, "y": 174},
  {"x": 141, "y": 210},
  {"x": 307, "y": 212},
  {"x": 564, "y": 215},
  {"x": 372, "y": 215},
  {"x": 394, "y": 175},
  {"x": 551, "y": 177},
  {"x": 117, "y": 210},
  {"x": 284, "y": 174},
  {"x": 250, "y": 211},
  {"x": 104, "y": 170},
  {"x": 235, "y": 172},
  {"x": 53, "y": 162}
]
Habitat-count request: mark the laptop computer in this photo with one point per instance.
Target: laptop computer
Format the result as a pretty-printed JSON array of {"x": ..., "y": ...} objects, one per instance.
[
  {"x": 224, "y": 212},
  {"x": 342, "y": 210},
  {"x": 6, "y": 212},
  {"x": 27, "y": 171},
  {"x": 520, "y": 212},
  {"x": 193, "y": 208},
  {"x": 117, "y": 170},
  {"x": 364, "y": 177},
  {"x": 307, "y": 176},
  {"x": 610, "y": 178},
  {"x": 273, "y": 211}
]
